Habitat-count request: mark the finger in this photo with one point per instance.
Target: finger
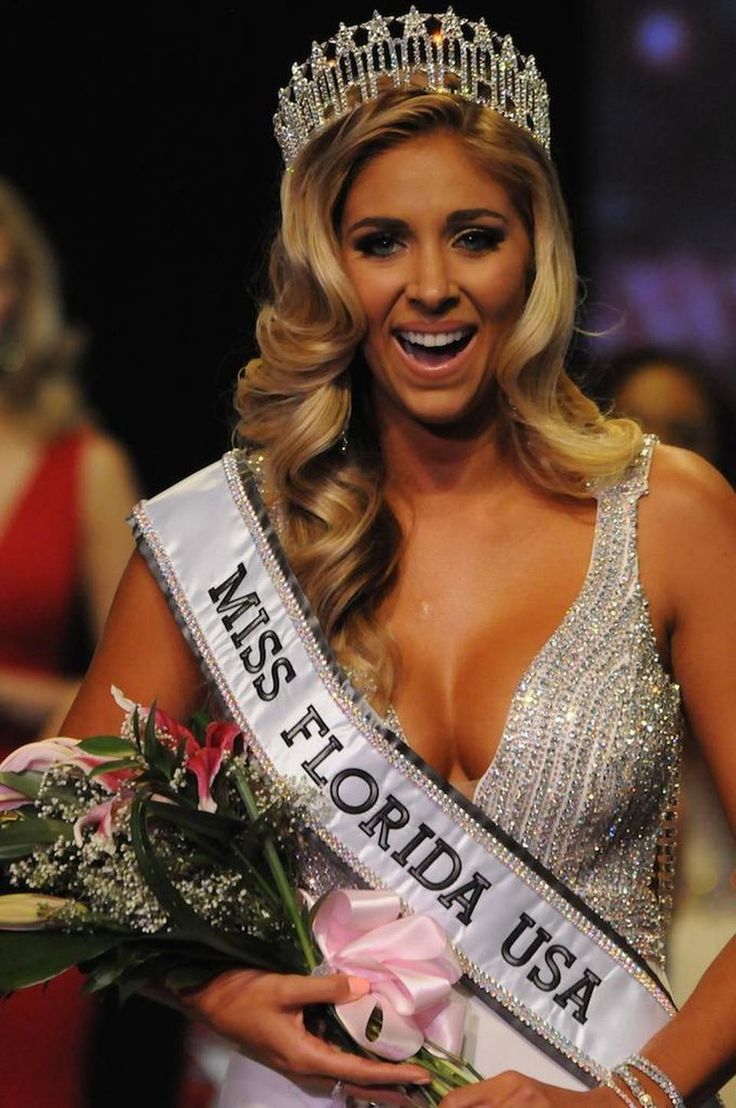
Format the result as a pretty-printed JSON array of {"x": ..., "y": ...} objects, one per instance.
[
  {"x": 333, "y": 988},
  {"x": 324, "y": 1059}
]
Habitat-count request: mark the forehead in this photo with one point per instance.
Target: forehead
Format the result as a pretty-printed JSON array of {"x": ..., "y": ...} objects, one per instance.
[{"x": 421, "y": 174}]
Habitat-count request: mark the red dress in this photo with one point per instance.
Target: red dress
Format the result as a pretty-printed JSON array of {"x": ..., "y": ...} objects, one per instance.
[{"x": 43, "y": 1031}]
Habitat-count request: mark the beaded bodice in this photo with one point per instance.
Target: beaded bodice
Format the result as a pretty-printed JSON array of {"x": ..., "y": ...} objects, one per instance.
[{"x": 586, "y": 774}]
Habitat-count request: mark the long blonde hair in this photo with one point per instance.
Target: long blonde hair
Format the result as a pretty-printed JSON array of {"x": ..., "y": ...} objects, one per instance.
[
  {"x": 341, "y": 536},
  {"x": 39, "y": 351}
]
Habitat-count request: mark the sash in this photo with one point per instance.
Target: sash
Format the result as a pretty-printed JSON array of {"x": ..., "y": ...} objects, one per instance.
[{"x": 553, "y": 990}]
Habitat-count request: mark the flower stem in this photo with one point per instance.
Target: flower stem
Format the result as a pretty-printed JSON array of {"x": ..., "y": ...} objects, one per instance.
[{"x": 277, "y": 870}]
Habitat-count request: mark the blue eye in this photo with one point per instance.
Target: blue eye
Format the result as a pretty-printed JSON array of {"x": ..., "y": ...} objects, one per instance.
[
  {"x": 372, "y": 244},
  {"x": 485, "y": 238}
]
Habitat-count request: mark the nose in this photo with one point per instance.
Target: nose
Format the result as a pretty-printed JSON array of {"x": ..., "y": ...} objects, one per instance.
[{"x": 431, "y": 283}]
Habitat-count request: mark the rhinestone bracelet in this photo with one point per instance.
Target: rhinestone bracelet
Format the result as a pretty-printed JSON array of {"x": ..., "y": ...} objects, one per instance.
[
  {"x": 611, "y": 1084},
  {"x": 644, "y": 1098},
  {"x": 655, "y": 1073}
]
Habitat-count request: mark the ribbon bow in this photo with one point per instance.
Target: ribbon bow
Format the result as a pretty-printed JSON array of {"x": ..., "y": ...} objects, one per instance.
[{"x": 411, "y": 967}]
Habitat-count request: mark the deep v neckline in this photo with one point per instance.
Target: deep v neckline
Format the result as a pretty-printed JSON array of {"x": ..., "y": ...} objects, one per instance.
[{"x": 570, "y": 614}]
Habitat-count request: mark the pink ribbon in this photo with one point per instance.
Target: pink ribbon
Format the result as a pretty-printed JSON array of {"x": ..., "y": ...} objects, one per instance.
[{"x": 408, "y": 961}]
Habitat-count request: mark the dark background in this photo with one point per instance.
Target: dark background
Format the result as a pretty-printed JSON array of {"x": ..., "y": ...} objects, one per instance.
[{"x": 143, "y": 139}]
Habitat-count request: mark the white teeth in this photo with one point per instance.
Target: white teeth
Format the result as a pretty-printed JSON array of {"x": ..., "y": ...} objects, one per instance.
[{"x": 424, "y": 338}]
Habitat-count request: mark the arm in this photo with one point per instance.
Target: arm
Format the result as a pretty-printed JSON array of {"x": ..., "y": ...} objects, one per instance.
[
  {"x": 698, "y": 1048},
  {"x": 109, "y": 491},
  {"x": 692, "y": 516}
]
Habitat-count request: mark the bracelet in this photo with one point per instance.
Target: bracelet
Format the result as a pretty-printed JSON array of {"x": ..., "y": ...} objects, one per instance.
[
  {"x": 659, "y": 1078},
  {"x": 609, "y": 1083},
  {"x": 644, "y": 1098}
]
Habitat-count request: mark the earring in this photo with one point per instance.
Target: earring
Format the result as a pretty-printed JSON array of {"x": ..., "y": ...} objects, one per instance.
[{"x": 343, "y": 440}]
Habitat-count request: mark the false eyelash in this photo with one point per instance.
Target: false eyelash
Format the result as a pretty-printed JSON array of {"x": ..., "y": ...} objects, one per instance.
[{"x": 493, "y": 237}]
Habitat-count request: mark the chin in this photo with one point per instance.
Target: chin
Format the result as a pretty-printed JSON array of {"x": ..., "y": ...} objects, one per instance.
[{"x": 441, "y": 412}]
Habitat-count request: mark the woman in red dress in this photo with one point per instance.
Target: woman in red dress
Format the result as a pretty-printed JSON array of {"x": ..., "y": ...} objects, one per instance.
[{"x": 65, "y": 489}]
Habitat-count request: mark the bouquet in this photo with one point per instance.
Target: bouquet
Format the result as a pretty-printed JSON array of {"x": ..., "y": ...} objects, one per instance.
[{"x": 164, "y": 856}]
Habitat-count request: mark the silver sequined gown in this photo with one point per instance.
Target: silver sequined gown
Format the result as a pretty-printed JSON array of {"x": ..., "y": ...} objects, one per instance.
[{"x": 586, "y": 775}]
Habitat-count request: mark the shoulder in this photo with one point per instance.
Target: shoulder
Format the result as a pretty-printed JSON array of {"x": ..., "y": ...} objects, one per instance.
[
  {"x": 690, "y": 511},
  {"x": 686, "y": 489},
  {"x": 104, "y": 457}
]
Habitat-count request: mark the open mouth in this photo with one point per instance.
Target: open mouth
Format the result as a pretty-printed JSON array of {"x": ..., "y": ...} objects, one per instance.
[{"x": 434, "y": 349}]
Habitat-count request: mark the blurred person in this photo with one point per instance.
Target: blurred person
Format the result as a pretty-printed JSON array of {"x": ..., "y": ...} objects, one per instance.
[
  {"x": 65, "y": 489},
  {"x": 672, "y": 394}
]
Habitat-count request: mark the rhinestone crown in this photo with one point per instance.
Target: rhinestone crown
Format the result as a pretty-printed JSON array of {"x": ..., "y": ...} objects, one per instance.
[{"x": 455, "y": 55}]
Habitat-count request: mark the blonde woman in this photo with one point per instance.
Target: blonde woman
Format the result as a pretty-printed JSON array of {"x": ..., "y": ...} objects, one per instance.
[
  {"x": 476, "y": 549},
  {"x": 64, "y": 486},
  {"x": 64, "y": 489}
]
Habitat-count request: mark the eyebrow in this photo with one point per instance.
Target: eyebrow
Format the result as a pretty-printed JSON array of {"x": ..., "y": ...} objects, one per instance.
[{"x": 389, "y": 223}]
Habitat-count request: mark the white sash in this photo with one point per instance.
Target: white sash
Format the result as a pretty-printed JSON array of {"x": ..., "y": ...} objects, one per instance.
[{"x": 554, "y": 990}]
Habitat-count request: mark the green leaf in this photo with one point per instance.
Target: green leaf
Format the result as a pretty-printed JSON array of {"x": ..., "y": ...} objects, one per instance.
[
  {"x": 207, "y": 824},
  {"x": 113, "y": 964},
  {"x": 120, "y": 763},
  {"x": 28, "y": 782},
  {"x": 137, "y": 728},
  {"x": 150, "y": 742},
  {"x": 30, "y": 957},
  {"x": 111, "y": 746},
  {"x": 23, "y": 836},
  {"x": 244, "y": 948},
  {"x": 191, "y": 974}
]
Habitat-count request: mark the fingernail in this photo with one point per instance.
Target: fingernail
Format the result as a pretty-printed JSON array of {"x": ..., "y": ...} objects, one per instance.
[{"x": 358, "y": 986}]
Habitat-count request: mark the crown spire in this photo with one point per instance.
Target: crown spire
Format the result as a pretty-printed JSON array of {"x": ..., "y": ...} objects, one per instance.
[{"x": 455, "y": 55}]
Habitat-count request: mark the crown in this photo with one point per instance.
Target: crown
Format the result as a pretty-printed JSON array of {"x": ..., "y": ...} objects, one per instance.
[{"x": 455, "y": 55}]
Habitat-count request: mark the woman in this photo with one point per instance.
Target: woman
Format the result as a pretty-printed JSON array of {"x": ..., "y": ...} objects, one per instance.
[
  {"x": 433, "y": 474},
  {"x": 59, "y": 476},
  {"x": 58, "y": 472}
]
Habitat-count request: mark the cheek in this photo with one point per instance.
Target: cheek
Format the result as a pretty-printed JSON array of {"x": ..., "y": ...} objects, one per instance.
[{"x": 505, "y": 297}]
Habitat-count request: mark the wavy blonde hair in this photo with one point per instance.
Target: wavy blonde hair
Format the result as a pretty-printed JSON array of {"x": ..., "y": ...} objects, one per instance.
[
  {"x": 39, "y": 351},
  {"x": 341, "y": 536}
]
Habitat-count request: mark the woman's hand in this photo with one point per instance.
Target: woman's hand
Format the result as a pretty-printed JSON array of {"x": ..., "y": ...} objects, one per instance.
[
  {"x": 516, "y": 1090},
  {"x": 262, "y": 1014}
]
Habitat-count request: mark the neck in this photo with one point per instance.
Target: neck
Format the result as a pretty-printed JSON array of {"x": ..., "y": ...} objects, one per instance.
[{"x": 425, "y": 460}]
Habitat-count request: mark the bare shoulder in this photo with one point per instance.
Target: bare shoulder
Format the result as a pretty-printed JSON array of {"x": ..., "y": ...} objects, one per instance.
[
  {"x": 690, "y": 514},
  {"x": 688, "y": 494}
]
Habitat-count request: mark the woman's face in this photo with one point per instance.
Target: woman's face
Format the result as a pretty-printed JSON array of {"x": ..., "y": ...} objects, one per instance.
[{"x": 439, "y": 258}]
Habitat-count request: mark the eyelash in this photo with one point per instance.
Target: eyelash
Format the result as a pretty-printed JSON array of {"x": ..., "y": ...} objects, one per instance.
[{"x": 493, "y": 238}]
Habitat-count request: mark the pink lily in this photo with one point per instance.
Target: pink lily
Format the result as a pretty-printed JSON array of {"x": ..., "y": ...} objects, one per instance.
[
  {"x": 205, "y": 761},
  {"x": 100, "y": 817},
  {"x": 175, "y": 730},
  {"x": 40, "y": 755}
]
